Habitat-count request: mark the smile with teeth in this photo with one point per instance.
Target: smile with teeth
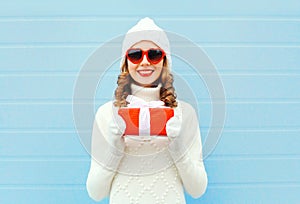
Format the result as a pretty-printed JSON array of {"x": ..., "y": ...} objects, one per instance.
[{"x": 145, "y": 72}]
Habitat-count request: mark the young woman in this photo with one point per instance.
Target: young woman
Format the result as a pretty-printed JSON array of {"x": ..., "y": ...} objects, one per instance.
[{"x": 142, "y": 169}]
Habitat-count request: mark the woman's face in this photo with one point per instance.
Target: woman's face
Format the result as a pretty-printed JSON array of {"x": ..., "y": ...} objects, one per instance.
[{"x": 145, "y": 73}]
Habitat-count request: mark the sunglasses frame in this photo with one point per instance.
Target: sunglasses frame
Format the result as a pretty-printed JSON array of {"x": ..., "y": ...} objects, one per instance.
[{"x": 145, "y": 52}]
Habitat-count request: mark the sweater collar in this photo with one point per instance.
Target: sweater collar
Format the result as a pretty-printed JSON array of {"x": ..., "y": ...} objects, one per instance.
[{"x": 146, "y": 93}]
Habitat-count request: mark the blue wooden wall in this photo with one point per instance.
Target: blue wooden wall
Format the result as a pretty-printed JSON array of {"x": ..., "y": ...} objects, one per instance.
[{"x": 255, "y": 46}]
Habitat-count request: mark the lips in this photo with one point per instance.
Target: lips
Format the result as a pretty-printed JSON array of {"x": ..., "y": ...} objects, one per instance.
[{"x": 145, "y": 72}]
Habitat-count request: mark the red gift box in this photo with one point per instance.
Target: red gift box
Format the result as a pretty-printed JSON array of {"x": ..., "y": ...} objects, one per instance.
[{"x": 158, "y": 120}]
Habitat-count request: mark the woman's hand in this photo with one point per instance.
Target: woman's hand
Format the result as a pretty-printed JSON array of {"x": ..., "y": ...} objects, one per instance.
[
  {"x": 173, "y": 129},
  {"x": 116, "y": 131}
]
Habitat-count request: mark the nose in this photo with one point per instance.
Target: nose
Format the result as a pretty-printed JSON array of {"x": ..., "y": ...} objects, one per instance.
[{"x": 145, "y": 61}]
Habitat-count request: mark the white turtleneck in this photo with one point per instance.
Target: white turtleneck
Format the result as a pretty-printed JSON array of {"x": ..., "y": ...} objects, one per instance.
[
  {"x": 147, "y": 172},
  {"x": 146, "y": 93}
]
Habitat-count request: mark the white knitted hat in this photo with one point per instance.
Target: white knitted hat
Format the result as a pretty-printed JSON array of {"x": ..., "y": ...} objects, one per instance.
[{"x": 146, "y": 29}]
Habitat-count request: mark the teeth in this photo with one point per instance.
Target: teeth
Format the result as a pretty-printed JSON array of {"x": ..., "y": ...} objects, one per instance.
[{"x": 145, "y": 71}]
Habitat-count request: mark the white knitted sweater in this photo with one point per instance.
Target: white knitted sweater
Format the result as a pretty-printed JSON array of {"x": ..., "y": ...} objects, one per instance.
[{"x": 165, "y": 179}]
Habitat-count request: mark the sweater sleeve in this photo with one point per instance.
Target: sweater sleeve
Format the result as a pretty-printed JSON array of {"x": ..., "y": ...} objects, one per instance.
[
  {"x": 190, "y": 166},
  {"x": 104, "y": 161},
  {"x": 99, "y": 181}
]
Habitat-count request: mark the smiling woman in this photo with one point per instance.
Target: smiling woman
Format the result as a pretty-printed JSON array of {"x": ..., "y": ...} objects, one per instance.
[
  {"x": 144, "y": 167},
  {"x": 146, "y": 65}
]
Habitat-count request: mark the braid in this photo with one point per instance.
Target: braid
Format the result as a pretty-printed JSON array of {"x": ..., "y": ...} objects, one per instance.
[
  {"x": 123, "y": 89},
  {"x": 167, "y": 91}
]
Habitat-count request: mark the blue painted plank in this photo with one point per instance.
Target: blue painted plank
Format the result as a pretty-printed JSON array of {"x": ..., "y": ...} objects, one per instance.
[
  {"x": 253, "y": 169},
  {"x": 238, "y": 87},
  {"x": 227, "y": 59},
  {"x": 197, "y": 30},
  {"x": 239, "y": 115},
  {"x": 43, "y": 59},
  {"x": 27, "y": 171},
  {"x": 44, "y": 171},
  {"x": 214, "y": 194},
  {"x": 127, "y": 8},
  {"x": 265, "y": 194},
  {"x": 231, "y": 143},
  {"x": 45, "y": 86},
  {"x": 36, "y": 116},
  {"x": 255, "y": 59},
  {"x": 40, "y": 144},
  {"x": 246, "y": 87},
  {"x": 255, "y": 143},
  {"x": 47, "y": 195},
  {"x": 256, "y": 116}
]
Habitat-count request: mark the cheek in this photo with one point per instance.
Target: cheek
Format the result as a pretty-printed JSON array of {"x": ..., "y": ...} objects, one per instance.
[
  {"x": 131, "y": 67},
  {"x": 159, "y": 66}
]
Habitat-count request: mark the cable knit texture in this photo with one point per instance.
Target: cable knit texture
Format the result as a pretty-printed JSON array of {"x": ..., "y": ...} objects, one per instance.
[{"x": 162, "y": 183}]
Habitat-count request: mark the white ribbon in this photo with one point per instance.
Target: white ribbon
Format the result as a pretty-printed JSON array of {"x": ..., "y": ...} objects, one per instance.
[{"x": 144, "y": 116}]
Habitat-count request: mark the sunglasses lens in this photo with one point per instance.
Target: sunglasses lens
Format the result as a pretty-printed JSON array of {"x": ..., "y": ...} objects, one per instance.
[
  {"x": 134, "y": 55},
  {"x": 155, "y": 55}
]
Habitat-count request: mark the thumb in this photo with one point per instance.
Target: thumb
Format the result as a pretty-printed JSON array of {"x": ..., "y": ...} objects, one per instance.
[{"x": 118, "y": 125}]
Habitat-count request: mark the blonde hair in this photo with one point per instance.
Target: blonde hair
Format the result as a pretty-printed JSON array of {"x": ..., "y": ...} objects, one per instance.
[{"x": 167, "y": 91}]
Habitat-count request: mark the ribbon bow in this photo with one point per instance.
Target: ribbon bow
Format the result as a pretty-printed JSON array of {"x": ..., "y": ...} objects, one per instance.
[{"x": 144, "y": 115}]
